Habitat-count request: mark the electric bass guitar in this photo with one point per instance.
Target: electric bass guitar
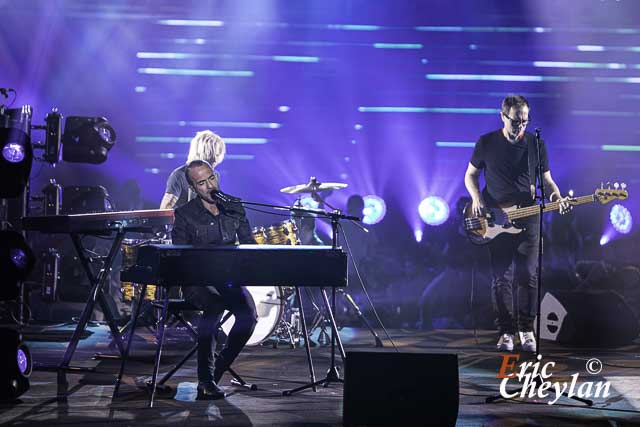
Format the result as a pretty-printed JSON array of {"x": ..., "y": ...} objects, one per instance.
[{"x": 499, "y": 219}]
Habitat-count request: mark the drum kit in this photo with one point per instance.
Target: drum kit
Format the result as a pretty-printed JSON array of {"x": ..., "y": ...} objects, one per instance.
[{"x": 278, "y": 319}]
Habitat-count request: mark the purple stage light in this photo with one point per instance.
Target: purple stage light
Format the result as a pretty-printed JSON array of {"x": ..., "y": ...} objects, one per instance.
[
  {"x": 433, "y": 210},
  {"x": 23, "y": 361},
  {"x": 13, "y": 152},
  {"x": 621, "y": 219},
  {"x": 418, "y": 235},
  {"x": 374, "y": 209},
  {"x": 19, "y": 258}
]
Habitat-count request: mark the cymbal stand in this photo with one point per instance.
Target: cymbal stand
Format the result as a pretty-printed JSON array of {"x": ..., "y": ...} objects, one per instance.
[
  {"x": 335, "y": 217},
  {"x": 319, "y": 316},
  {"x": 332, "y": 373}
]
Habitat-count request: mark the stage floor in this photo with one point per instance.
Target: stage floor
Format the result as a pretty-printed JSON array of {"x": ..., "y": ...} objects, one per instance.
[{"x": 86, "y": 398}]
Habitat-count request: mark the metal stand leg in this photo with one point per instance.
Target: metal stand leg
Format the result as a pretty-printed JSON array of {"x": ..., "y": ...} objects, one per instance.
[
  {"x": 162, "y": 322},
  {"x": 361, "y": 317},
  {"x": 307, "y": 348},
  {"x": 332, "y": 373},
  {"x": 128, "y": 348},
  {"x": 95, "y": 295},
  {"x": 237, "y": 379}
]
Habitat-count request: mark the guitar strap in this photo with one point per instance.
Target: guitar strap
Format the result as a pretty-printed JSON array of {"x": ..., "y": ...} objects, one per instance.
[{"x": 533, "y": 164}]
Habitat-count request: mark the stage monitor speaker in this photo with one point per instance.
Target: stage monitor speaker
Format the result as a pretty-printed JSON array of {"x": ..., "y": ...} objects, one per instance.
[
  {"x": 390, "y": 388},
  {"x": 587, "y": 319}
]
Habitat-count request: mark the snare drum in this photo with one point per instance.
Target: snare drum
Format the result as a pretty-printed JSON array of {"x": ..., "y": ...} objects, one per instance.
[
  {"x": 129, "y": 250},
  {"x": 284, "y": 233},
  {"x": 269, "y": 303}
]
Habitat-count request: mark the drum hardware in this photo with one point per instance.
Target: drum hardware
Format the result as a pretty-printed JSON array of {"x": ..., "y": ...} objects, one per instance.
[
  {"x": 333, "y": 374},
  {"x": 319, "y": 320},
  {"x": 273, "y": 303}
]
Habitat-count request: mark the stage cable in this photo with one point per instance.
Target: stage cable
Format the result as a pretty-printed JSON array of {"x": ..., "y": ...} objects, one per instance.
[{"x": 364, "y": 289}]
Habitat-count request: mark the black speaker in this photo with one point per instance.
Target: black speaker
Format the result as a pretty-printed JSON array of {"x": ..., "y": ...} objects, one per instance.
[
  {"x": 390, "y": 388},
  {"x": 587, "y": 319}
]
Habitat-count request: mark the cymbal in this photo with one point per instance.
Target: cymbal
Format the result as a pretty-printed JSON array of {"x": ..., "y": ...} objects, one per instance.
[{"x": 313, "y": 186}]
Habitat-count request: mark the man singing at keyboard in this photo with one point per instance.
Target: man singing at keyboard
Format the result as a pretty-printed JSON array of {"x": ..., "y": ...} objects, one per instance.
[{"x": 203, "y": 221}]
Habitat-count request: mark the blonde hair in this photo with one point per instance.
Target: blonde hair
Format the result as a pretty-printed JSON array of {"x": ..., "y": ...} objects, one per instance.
[{"x": 207, "y": 146}]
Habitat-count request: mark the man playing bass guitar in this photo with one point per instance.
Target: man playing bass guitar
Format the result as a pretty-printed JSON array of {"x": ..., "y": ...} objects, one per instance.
[{"x": 504, "y": 156}]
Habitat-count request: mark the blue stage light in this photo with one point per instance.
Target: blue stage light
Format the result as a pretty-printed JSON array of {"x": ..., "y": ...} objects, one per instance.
[
  {"x": 433, "y": 210},
  {"x": 13, "y": 152},
  {"x": 374, "y": 209},
  {"x": 16, "y": 362},
  {"x": 24, "y": 360},
  {"x": 621, "y": 219},
  {"x": 16, "y": 263},
  {"x": 16, "y": 160},
  {"x": 19, "y": 258}
]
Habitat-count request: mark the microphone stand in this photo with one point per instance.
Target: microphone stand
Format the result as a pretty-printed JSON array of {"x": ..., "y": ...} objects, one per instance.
[
  {"x": 335, "y": 217},
  {"x": 318, "y": 198}
]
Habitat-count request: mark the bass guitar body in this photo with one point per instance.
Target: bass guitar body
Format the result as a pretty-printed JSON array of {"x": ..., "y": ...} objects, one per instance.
[{"x": 483, "y": 229}]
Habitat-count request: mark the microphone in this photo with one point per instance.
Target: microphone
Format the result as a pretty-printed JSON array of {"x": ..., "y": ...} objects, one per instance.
[{"x": 225, "y": 198}]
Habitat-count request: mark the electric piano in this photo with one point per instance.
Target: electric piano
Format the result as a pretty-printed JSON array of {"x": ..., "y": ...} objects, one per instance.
[
  {"x": 113, "y": 224},
  {"x": 100, "y": 223},
  {"x": 250, "y": 265}
]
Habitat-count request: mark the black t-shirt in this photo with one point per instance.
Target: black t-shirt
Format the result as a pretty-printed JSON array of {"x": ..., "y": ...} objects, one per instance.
[
  {"x": 506, "y": 167},
  {"x": 178, "y": 186}
]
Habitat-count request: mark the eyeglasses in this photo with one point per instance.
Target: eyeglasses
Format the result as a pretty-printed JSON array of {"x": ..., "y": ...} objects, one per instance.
[{"x": 517, "y": 123}]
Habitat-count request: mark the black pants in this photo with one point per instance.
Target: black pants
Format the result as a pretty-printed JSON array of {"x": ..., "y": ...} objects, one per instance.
[
  {"x": 514, "y": 259},
  {"x": 213, "y": 301}
]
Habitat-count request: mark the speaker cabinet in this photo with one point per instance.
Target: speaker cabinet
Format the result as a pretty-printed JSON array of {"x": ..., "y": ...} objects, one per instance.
[
  {"x": 587, "y": 319},
  {"x": 390, "y": 388}
]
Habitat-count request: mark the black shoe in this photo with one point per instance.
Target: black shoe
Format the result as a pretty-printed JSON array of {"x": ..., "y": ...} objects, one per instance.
[{"x": 210, "y": 391}]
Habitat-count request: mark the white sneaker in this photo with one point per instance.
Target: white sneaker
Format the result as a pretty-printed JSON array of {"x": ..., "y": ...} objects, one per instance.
[
  {"x": 505, "y": 343},
  {"x": 528, "y": 341}
]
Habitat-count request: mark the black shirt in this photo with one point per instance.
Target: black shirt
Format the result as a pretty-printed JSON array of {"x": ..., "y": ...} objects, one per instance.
[
  {"x": 506, "y": 167},
  {"x": 195, "y": 225}
]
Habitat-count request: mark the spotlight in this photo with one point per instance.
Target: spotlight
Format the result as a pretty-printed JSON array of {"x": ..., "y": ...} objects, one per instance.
[
  {"x": 621, "y": 219},
  {"x": 15, "y": 359},
  {"x": 16, "y": 262},
  {"x": 374, "y": 209},
  {"x": 87, "y": 139},
  {"x": 15, "y": 161},
  {"x": 433, "y": 210},
  {"x": 417, "y": 233}
]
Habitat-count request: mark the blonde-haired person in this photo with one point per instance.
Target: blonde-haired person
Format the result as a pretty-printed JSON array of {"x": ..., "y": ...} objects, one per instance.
[{"x": 206, "y": 146}]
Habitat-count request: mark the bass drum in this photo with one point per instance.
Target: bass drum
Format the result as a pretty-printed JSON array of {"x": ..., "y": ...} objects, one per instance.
[{"x": 269, "y": 303}]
